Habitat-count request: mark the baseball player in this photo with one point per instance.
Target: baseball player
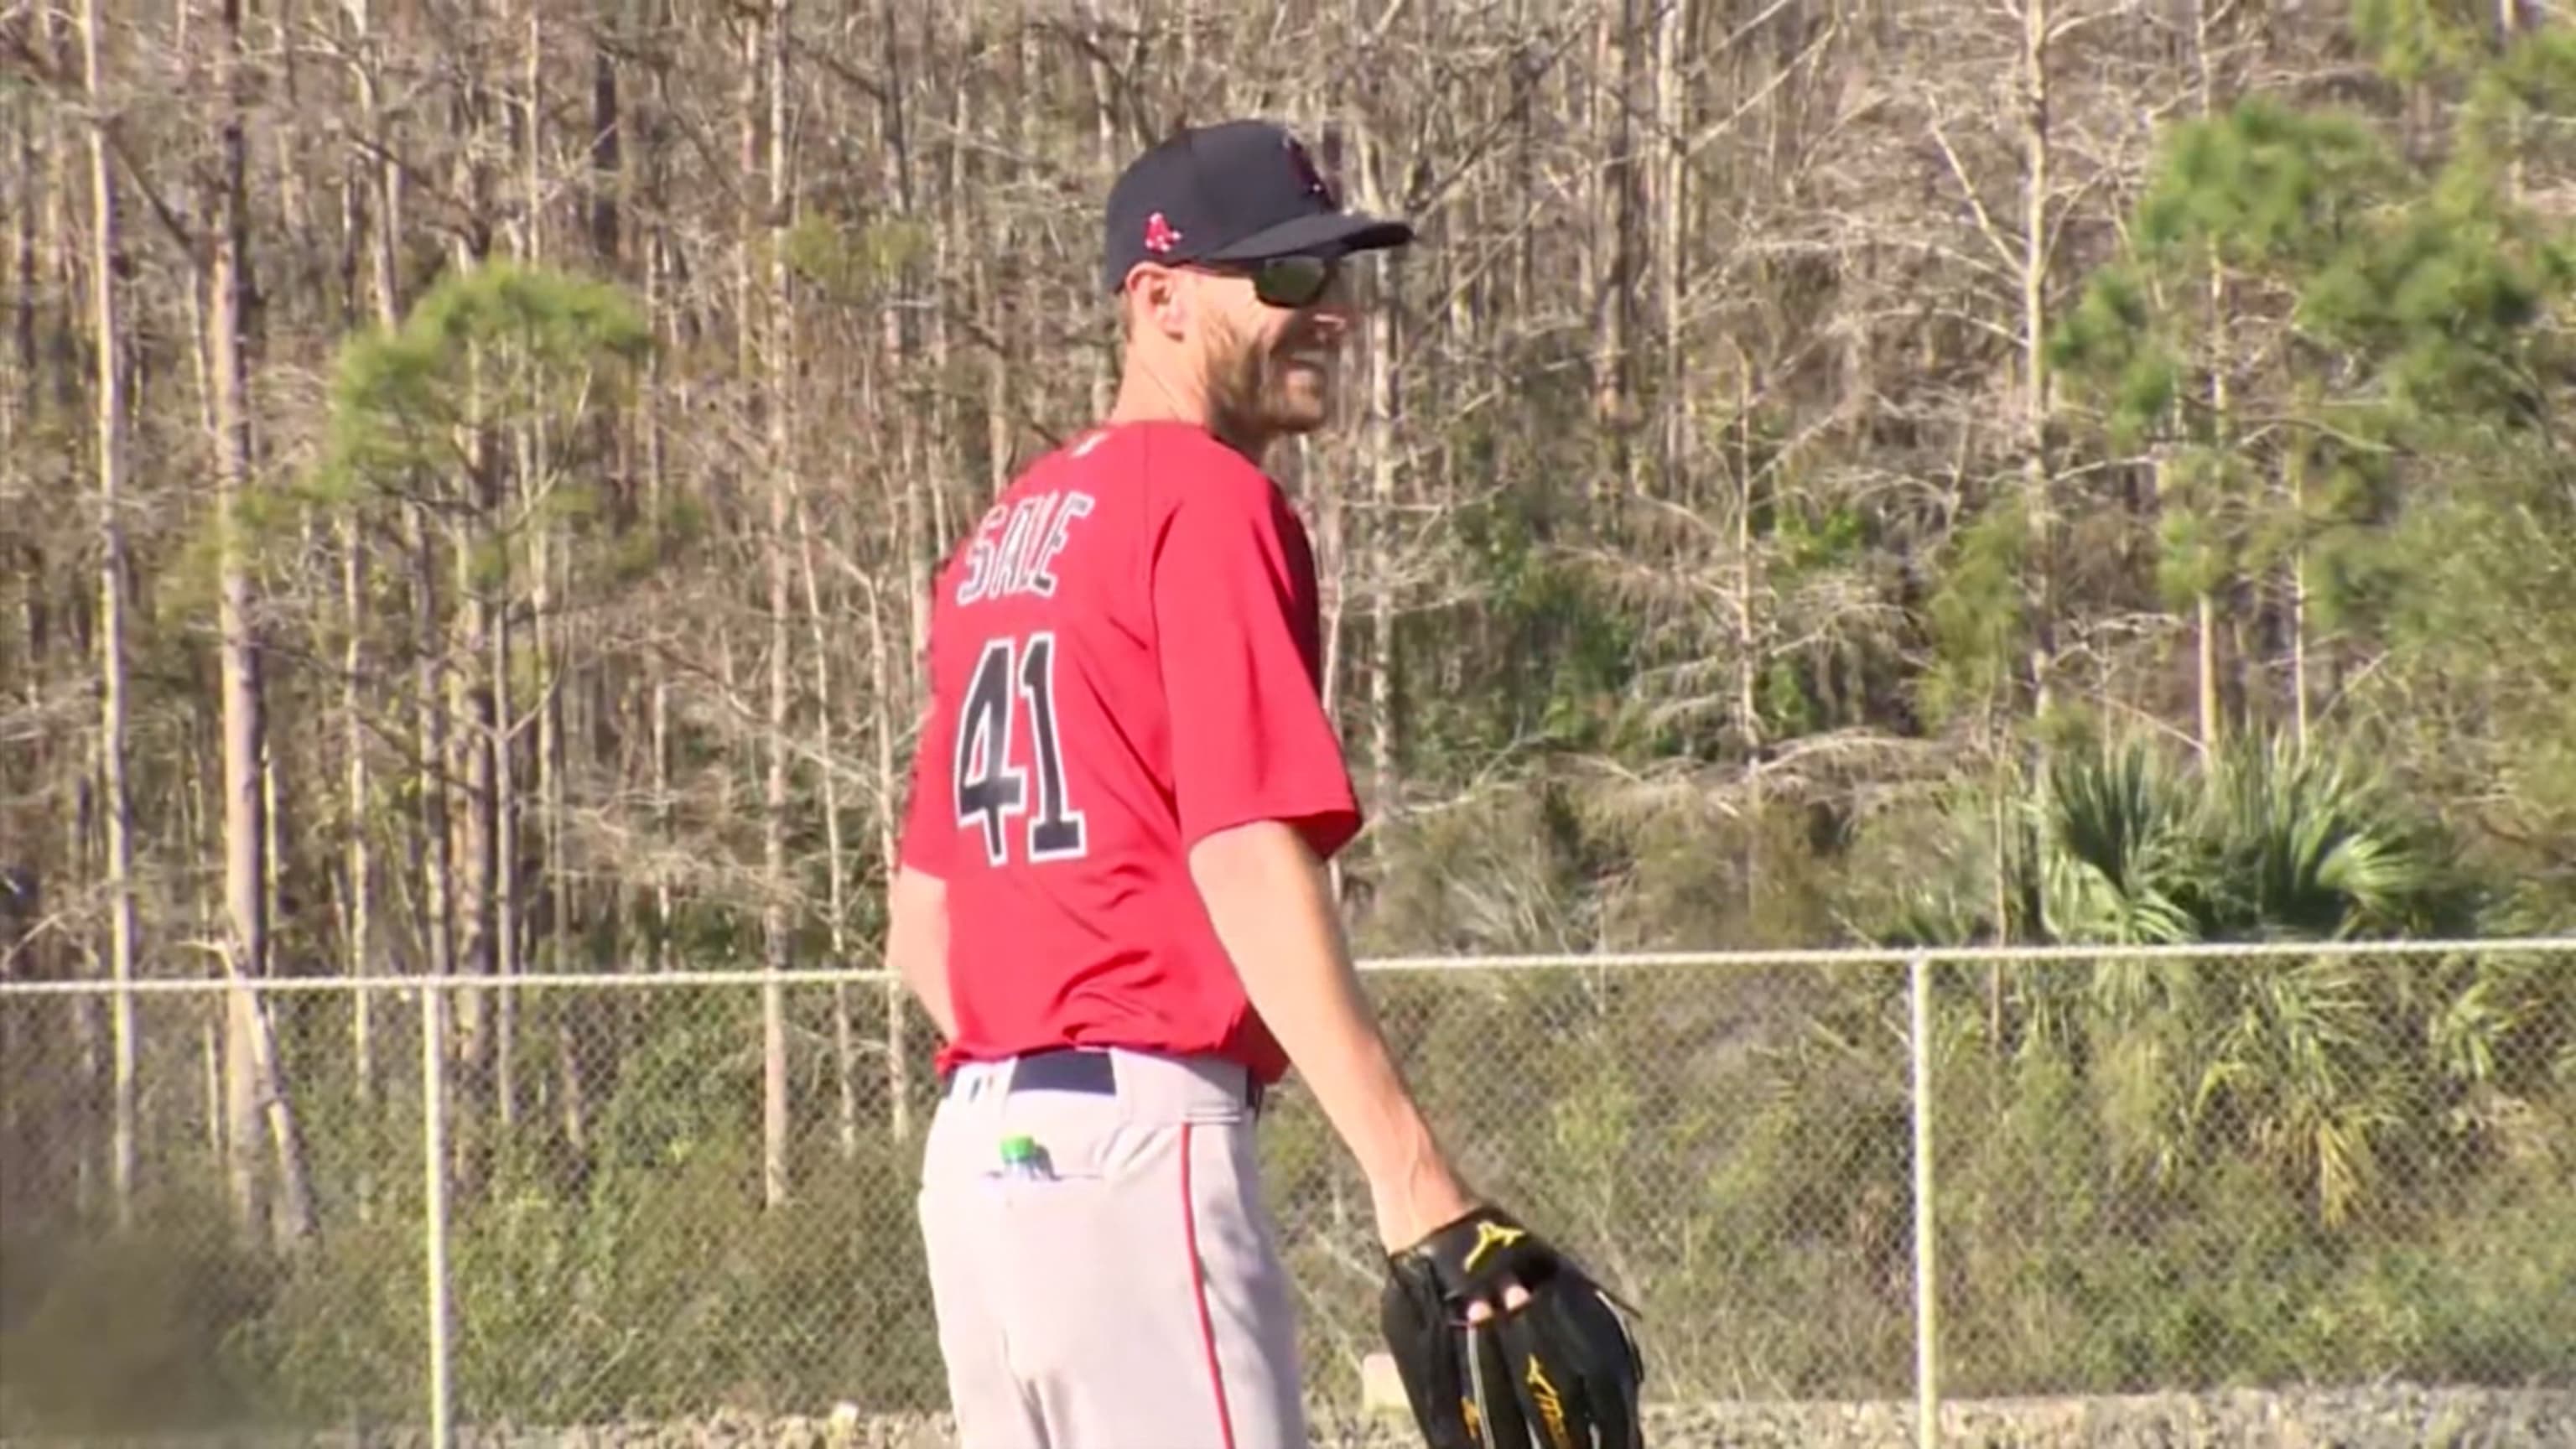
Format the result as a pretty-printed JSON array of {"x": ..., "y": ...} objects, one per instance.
[{"x": 1110, "y": 897}]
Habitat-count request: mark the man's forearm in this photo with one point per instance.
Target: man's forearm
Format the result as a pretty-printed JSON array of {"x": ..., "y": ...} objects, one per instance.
[
  {"x": 1267, "y": 896},
  {"x": 917, "y": 943}
]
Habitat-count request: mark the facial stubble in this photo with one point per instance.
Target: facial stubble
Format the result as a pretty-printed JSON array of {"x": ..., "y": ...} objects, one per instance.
[{"x": 1248, "y": 384}]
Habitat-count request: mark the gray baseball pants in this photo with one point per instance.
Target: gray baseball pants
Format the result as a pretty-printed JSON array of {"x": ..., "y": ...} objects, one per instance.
[{"x": 1127, "y": 1294}]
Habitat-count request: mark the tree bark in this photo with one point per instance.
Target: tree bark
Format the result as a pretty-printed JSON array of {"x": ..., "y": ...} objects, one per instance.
[
  {"x": 889, "y": 841},
  {"x": 2038, "y": 487},
  {"x": 252, "y": 1078},
  {"x": 664, "y": 394},
  {"x": 1672, "y": 241},
  {"x": 777, "y": 921},
  {"x": 836, "y": 907},
  {"x": 1747, "y": 584},
  {"x": 1613, "y": 400},
  {"x": 1385, "y": 325},
  {"x": 914, "y": 507},
  {"x": 246, "y": 942},
  {"x": 377, "y": 197},
  {"x": 123, "y": 929},
  {"x": 2221, "y": 345},
  {"x": 474, "y": 701}
]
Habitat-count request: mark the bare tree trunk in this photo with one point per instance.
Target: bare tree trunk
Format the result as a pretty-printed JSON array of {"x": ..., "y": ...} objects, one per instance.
[
  {"x": 2295, "y": 481},
  {"x": 835, "y": 851},
  {"x": 890, "y": 696},
  {"x": 2509, "y": 27},
  {"x": 359, "y": 861},
  {"x": 501, "y": 751},
  {"x": 914, "y": 524},
  {"x": 889, "y": 840},
  {"x": 528, "y": 443},
  {"x": 119, "y": 808},
  {"x": 434, "y": 842},
  {"x": 471, "y": 701},
  {"x": 430, "y": 846},
  {"x": 2034, "y": 315},
  {"x": 1747, "y": 584},
  {"x": 577, "y": 1021},
  {"x": 246, "y": 942},
  {"x": 384, "y": 189},
  {"x": 944, "y": 420},
  {"x": 1379, "y": 439},
  {"x": 1671, "y": 178},
  {"x": 252, "y": 1079},
  {"x": 474, "y": 688},
  {"x": 660, "y": 387},
  {"x": 777, "y": 919},
  {"x": 1612, "y": 402},
  {"x": 2205, "y": 605}
]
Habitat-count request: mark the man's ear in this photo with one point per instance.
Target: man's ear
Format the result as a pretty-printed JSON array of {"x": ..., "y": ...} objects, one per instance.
[{"x": 1157, "y": 298}]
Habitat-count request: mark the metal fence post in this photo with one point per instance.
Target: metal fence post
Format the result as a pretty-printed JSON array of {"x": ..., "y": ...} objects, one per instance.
[
  {"x": 1927, "y": 1393},
  {"x": 433, "y": 1117}
]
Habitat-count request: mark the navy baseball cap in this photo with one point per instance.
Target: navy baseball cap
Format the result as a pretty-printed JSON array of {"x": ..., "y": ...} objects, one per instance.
[{"x": 1236, "y": 191}]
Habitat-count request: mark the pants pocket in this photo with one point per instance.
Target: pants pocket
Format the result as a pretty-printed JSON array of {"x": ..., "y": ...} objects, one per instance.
[{"x": 1076, "y": 1139}]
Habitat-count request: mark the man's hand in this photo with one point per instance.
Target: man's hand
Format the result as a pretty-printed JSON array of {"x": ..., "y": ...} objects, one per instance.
[{"x": 1556, "y": 1368}]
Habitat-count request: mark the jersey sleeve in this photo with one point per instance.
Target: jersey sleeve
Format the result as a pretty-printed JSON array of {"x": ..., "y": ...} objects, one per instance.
[{"x": 1234, "y": 618}]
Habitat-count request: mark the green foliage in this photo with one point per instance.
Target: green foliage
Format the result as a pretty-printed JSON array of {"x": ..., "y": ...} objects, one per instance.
[
  {"x": 2108, "y": 343},
  {"x": 1560, "y": 652},
  {"x": 2532, "y": 79},
  {"x": 2262, "y": 185},
  {"x": 1833, "y": 536},
  {"x": 2444, "y": 304},
  {"x": 2309, "y": 845},
  {"x": 2070, "y": 1269},
  {"x": 2394, "y": 335},
  {"x": 854, "y": 266},
  {"x": 1978, "y": 622},
  {"x": 636, "y": 1274},
  {"x": 91, "y": 1319},
  {"x": 2415, "y": 40},
  {"x": 2131, "y": 1200},
  {"x": 2475, "y": 590},
  {"x": 2202, "y": 491},
  {"x": 2315, "y": 1069},
  {"x": 2264, "y": 189},
  {"x": 499, "y": 346},
  {"x": 2116, "y": 860},
  {"x": 2118, "y": 841}
]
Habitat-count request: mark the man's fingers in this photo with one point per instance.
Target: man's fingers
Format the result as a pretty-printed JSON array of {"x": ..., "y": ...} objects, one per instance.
[{"x": 1481, "y": 1310}]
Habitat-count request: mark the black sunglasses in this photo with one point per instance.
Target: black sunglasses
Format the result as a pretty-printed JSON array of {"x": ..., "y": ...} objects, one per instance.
[{"x": 1291, "y": 281}]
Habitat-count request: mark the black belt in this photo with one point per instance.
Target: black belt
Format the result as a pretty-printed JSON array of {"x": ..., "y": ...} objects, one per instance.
[{"x": 1072, "y": 1069}]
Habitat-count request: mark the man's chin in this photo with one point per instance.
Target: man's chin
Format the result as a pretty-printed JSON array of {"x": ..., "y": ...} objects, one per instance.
[
  {"x": 1295, "y": 420},
  {"x": 1301, "y": 406}
]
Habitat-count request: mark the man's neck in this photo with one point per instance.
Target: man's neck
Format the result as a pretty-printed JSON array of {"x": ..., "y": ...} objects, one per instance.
[{"x": 1145, "y": 396}]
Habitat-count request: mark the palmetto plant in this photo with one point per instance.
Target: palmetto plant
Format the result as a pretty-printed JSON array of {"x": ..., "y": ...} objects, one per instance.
[{"x": 2317, "y": 1068}]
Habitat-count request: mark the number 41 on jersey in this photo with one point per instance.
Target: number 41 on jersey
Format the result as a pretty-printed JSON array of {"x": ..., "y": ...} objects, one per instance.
[{"x": 990, "y": 790}]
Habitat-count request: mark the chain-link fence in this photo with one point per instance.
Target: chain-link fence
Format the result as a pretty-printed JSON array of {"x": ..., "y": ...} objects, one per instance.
[{"x": 2164, "y": 1173}]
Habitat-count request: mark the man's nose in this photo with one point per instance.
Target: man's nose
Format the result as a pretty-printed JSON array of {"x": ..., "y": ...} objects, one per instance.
[{"x": 1332, "y": 315}]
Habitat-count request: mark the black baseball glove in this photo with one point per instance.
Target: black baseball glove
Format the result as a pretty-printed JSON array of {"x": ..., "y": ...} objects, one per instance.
[{"x": 1561, "y": 1371}]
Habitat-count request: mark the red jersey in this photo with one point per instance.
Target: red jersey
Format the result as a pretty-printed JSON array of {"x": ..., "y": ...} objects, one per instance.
[{"x": 1124, "y": 658}]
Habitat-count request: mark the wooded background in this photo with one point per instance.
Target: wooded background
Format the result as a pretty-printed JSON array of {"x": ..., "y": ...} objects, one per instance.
[{"x": 1832, "y": 471}]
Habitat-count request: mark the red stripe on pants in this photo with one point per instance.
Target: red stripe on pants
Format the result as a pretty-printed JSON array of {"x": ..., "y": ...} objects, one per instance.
[{"x": 1198, "y": 1287}]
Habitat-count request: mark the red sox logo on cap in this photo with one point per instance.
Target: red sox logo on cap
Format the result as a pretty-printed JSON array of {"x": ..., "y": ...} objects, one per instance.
[{"x": 1159, "y": 234}]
